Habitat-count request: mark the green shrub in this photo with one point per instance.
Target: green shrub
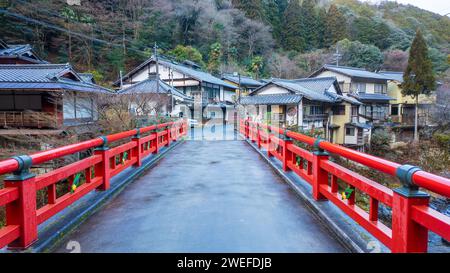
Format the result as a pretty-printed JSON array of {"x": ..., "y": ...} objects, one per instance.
[{"x": 379, "y": 143}]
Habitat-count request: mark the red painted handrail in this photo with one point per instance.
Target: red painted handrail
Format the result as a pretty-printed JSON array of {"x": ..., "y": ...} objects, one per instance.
[
  {"x": 411, "y": 215},
  {"x": 19, "y": 195}
]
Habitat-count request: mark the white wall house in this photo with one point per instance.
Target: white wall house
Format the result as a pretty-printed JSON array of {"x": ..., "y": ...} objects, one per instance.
[
  {"x": 368, "y": 87},
  {"x": 205, "y": 89}
]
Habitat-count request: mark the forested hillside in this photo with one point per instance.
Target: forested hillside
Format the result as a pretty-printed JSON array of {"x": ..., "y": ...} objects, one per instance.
[{"x": 279, "y": 38}]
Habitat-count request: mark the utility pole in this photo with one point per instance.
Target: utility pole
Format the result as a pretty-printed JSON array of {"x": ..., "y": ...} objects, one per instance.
[
  {"x": 337, "y": 55},
  {"x": 121, "y": 80},
  {"x": 155, "y": 55}
]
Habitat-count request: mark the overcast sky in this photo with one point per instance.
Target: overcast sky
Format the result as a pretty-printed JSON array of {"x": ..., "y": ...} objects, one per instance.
[{"x": 438, "y": 6}]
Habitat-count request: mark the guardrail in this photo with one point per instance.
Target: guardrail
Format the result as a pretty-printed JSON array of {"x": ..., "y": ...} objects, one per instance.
[
  {"x": 20, "y": 190},
  {"x": 412, "y": 217}
]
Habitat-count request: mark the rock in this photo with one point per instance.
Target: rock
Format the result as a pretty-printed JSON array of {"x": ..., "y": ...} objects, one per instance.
[{"x": 399, "y": 144}]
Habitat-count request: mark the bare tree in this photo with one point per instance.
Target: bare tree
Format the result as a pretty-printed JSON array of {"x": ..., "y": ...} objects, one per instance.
[{"x": 281, "y": 66}]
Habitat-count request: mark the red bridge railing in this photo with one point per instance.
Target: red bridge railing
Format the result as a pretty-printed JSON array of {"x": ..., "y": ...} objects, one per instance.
[
  {"x": 20, "y": 189},
  {"x": 412, "y": 217}
]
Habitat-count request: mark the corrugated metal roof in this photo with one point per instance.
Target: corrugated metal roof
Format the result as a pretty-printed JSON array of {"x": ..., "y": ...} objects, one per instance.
[
  {"x": 150, "y": 86},
  {"x": 372, "y": 97},
  {"x": 360, "y": 125},
  {"x": 44, "y": 76},
  {"x": 352, "y": 72},
  {"x": 271, "y": 99},
  {"x": 393, "y": 75},
  {"x": 245, "y": 81}
]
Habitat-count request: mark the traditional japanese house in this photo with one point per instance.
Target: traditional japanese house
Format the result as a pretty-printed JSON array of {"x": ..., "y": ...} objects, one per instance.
[
  {"x": 211, "y": 95},
  {"x": 367, "y": 87},
  {"x": 45, "y": 96},
  {"x": 306, "y": 103},
  {"x": 157, "y": 97}
]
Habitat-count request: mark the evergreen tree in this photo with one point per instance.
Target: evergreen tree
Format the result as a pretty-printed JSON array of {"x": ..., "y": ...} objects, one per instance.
[
  {"x": 215, "y": 56},
  {"x": 418, "y": 77},
  {"x": 252, "y": 8},
  {"x": 293, "y": 27},
  {"x": 321, "y": 18},
  {"x": 273, "y": 17},
  {"x": 310, "y": 23},
  {"x": 335, "y": 26}
]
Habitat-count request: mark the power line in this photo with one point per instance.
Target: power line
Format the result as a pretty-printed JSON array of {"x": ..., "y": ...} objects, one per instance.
[
  {"x": 52, "y": 26},
  {"x": 101, "y": 31}
]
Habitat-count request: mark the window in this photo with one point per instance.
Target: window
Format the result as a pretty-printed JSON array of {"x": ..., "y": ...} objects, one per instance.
[
  {"x": 354, "y": 111},
  {"x": 313, "y": 110},
  {"x": 349, "y": 131},
  {"x": 380, "y": 88},
  {"x": 339, "y": 110},
  {"x": 358, "y": 87},
  {"x": 394, "y": 110}
]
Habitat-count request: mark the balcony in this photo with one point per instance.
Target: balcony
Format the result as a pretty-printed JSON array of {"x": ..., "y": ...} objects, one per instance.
[{"x": 28, "y": 119}]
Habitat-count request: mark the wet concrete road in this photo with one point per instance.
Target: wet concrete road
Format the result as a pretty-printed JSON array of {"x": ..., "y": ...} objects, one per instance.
[{"x": 205, "y": 196}]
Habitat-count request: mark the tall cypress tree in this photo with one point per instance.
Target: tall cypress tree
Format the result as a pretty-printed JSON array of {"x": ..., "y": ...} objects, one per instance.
[
  {"x": 418, "y": 77},
  {"x": 335, "y": 25},
  {"x": 274, "y": 18},
  {"x": 310, "y": 22},
  {"x": 321, "y": 18},
  {"x": 293, "y": 27},
  {"x": 252, "y": 8}
]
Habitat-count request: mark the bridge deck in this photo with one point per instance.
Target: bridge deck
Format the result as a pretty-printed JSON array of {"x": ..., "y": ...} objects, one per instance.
[{"x": 205, "y": 196}]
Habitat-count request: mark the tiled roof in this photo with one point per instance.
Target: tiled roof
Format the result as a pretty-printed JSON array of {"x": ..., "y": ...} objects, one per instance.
[
  {"x": 315, "y": 89},
  {"x": 367, "y": 97},
  {"x": 245, "y": 81},
  {"x": 21, "y": 51},
  {"x": 319, "y": 84},
  {"x": 393, "y": 75},
  {"x": 307, "y": 93},
  {"x": 44, "y": 76},
  {"x": 271, "y": 99},
  {"x": 352, "y": 72},
  {"x": 150, "y": 86},
  {"x": 194, "y": 73}
]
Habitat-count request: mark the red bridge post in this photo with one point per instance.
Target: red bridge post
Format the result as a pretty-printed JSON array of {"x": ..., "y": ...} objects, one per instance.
[
  {"x": 22, "y": 212},
  {"x": 320, "y": 176},
  {"x": 258, "y": 135},
  {"x": 156, "y": 142},
  {"x": 268, "y": 142},
  {"x": 408, "y": 235},
  {"x": 137, "y": 151},
  {"x": 168, "y": 135},
  {"x": 287, "y": 155},
  {"x": 103, "y": 167}
]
